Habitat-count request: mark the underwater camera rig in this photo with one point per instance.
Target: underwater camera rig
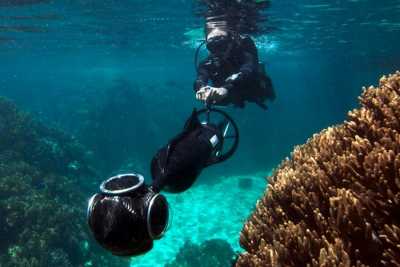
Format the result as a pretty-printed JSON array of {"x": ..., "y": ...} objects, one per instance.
[
  {"x": 209, "y": 136},
  {"x": 210, "y": 117},
  {"x": 127, "y": 215}
]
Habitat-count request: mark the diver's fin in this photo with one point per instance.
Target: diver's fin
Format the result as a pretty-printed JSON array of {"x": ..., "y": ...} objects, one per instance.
[
  {"x": 270, "y": 92},
  {"x": 266, "y": 83}
]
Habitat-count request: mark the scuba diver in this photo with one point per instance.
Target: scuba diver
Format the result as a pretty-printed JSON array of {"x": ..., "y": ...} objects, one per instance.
[
  {"x": 232, "y": 74},
  {"x": 234, "y": 71},
  {"x": 127, "y": 215}
]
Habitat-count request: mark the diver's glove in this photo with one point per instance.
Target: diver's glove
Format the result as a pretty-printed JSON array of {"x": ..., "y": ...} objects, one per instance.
[
  {"x": 217, "y": 94},
  {"x": 211, "y": 94},
  {"x": 203, "y": 93}
]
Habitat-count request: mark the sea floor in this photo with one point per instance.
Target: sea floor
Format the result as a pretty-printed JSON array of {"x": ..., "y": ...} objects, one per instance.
[{"x": 205, "y": 212}]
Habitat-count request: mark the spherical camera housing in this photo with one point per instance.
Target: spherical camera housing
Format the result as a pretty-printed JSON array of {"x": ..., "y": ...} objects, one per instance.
[{"x": 126, "y": 216}]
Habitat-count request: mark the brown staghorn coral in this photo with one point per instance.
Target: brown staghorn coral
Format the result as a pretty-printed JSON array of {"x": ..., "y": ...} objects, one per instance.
[{"x": 336, "y": 202}]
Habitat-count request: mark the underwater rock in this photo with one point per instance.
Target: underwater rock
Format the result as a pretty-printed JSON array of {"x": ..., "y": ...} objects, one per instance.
[
  {"x": 336, "y": 201},
  {"x": 211, "y": 253},
  {"x": 42, "y": 202}
]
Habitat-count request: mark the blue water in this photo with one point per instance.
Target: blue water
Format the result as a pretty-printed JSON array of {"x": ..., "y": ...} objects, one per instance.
[{"x": 64, "y": 60}]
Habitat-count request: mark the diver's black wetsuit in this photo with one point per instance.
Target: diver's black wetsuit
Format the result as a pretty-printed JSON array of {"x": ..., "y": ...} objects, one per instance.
[{"x": 243, "y": 59}]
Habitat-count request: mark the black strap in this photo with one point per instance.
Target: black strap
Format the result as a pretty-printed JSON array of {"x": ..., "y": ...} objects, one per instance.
[{"x": 196, "y": 56}]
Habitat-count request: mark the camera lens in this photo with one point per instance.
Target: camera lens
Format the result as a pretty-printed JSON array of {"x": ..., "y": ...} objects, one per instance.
[
  {"x": 157, "y": 216},
  {"x": 122, "y": 184}
]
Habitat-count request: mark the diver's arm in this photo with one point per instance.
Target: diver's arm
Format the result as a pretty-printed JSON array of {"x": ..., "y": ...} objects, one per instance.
[
  {"x": 203, "y": 76},
  {"x": 247, "y": 71},
  {"x": 250, "y": 66}
]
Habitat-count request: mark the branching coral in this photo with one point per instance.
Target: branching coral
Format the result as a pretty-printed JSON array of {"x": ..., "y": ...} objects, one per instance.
[{"x": 336, "y": 201}]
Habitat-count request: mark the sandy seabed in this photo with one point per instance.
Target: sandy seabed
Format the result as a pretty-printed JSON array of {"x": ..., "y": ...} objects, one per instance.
[{"x": 204, "y": 212}]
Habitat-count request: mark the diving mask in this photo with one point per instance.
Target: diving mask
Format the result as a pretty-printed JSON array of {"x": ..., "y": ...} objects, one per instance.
[{"x": 219, "y": 44}]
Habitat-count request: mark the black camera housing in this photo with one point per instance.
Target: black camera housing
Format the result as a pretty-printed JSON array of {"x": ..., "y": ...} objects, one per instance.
[{"x": 127, "y": 215}]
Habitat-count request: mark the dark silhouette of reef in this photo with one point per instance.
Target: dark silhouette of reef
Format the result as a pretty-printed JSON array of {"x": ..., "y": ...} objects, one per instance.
[
  {"x": 211, "y": 253},
  {"x": 116, "y": 129},
  {"x": 336, "y": 201},
  {"x": 42, "y": 201}
]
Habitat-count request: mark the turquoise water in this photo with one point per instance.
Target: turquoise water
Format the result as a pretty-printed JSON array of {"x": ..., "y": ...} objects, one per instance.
[
  {"x": 206, "y": 212},
  {"x": 118, "y": 76}
]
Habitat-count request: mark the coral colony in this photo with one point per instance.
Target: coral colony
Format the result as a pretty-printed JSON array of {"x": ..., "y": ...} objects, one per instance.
[
  {"x": 336, "y": 202},
  {"x": 42, "y": 175}
]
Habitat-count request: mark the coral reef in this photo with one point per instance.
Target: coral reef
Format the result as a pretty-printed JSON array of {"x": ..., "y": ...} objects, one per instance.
[
  {"x": 211, "y": 253},
  {"x": 42, "y": 203},
  {"x": 49, "y": 149},
  {"x": 336, "y": 201}
]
